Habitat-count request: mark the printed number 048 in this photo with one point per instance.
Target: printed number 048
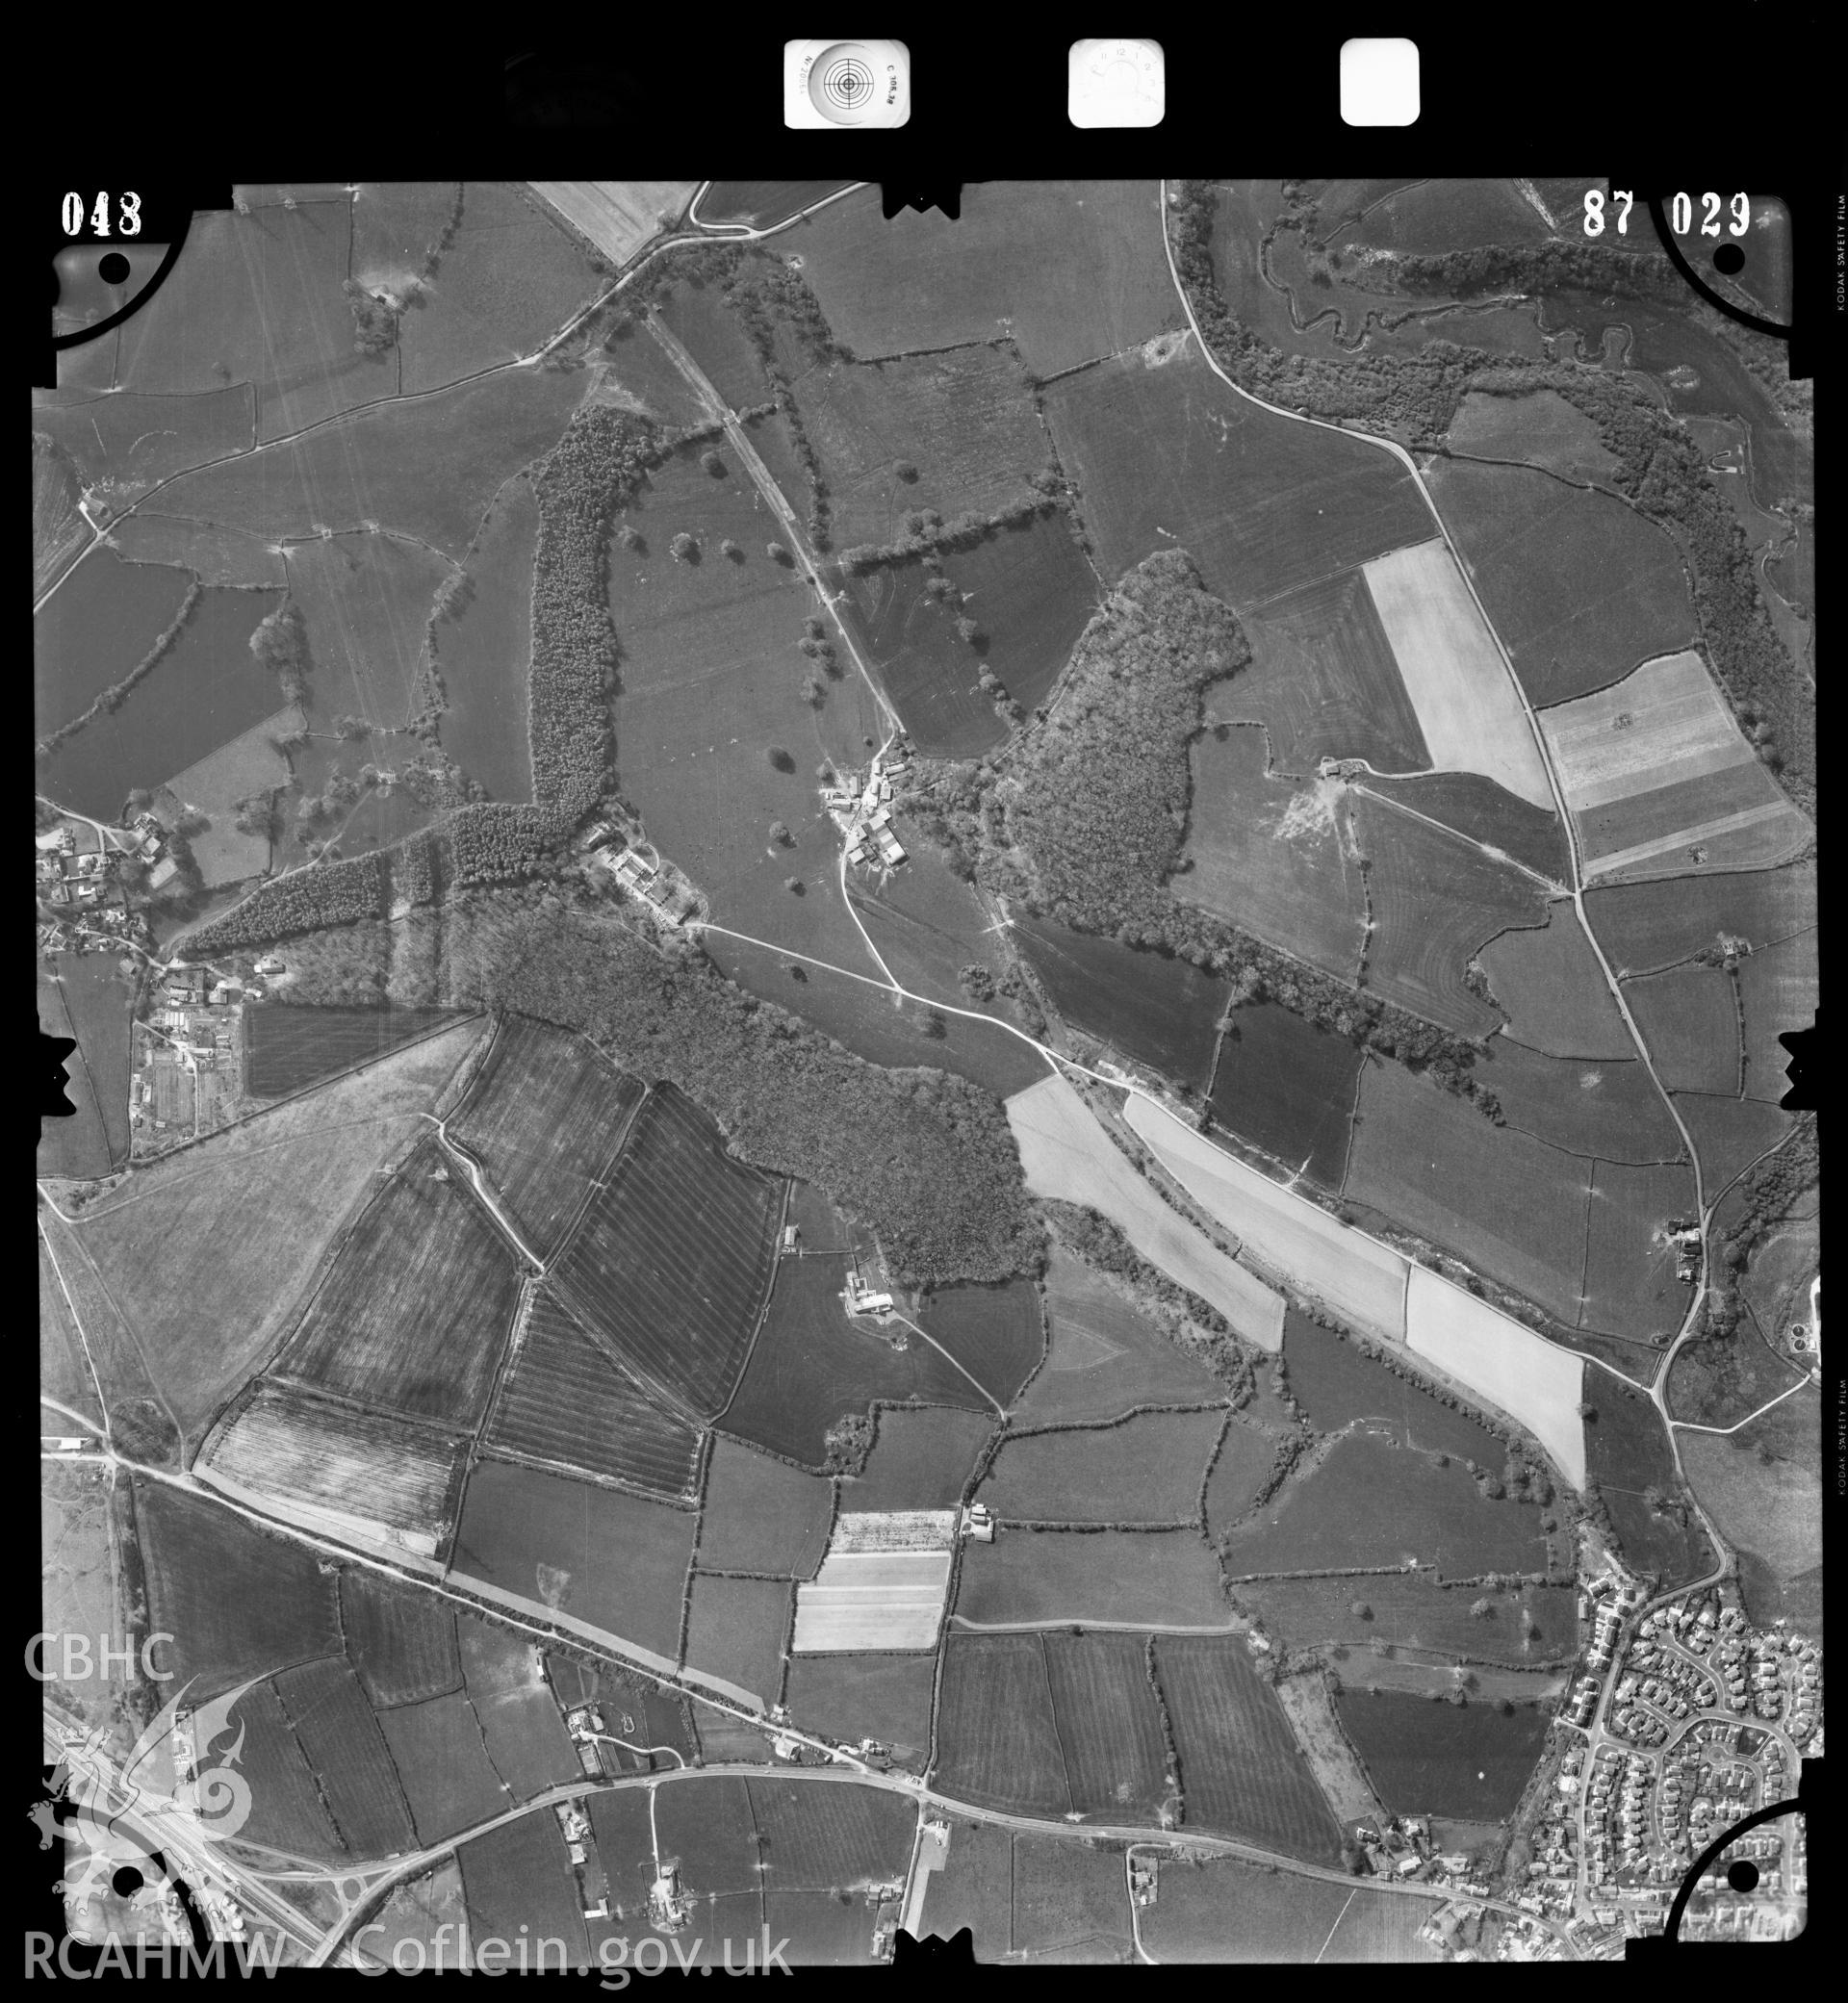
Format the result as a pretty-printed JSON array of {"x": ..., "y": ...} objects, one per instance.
[
  {"x": 128, "y": 214},
  {"x": 1594, "y": 211}
]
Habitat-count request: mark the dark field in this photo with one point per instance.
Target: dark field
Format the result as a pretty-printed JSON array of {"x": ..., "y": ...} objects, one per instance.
[
  {"x": 1265, "y": 505},
  {"x": 762, "y": 1515},
  {"x": 712, "y": 334},
  {"x": 1160, "y": 1010},
  {"x": 1611, "y": 1110},
  {"x": 366, "y": 598},
  {"x": 1225, "y": 1911},
  {"x": 1242, "y": 1771},
  {"x": 517, "y": 1876},
  {"x": 815, "y": 1838},
  {"x": 736, "y": 1630},
  {"x": 565, "y": 1402},
  {"x": 1547, "y": 981},
  {"x": 88, "y": 1003},
  {"x": 886, "y": 1698},
  {"x": 1690, "y": 1021},
  {"x": 520, "y": 1718},
  {"x": 96, "y": 629},
  {"x": 415, "y": 1311},
  {"x": 624, "y": 1561},
  {"x": 1541, "y": 429},
  {"x": 1335, "y": 1384},
  {"x": 402, "y": 1641},
  {"x": 993, "y": 1333},
  {"x": 1324, "y": 682},
  {"x": 1271, "y": 857},
  {"x": 812, "y": 1364},
  {"x": 1643, "y": 931},
  {"x": 1406, "y": 1610},
  {"x": 930, "y": 674},
  {"x": 1778, "y": 988},
  {"x": 1245, "y": 1459},
  {"x": 921, "y": 1459},
  {"x": 348, "y": 1755},
  {"x": 205, "y": 689},
  {"x": 295, "y": 1047},
  {"x": 544, "y": 1115},
  {"x": 670, "y": 1262},
  {"x": 1729, "y": 1134},
  {"x": 1371, "y": 1503},
  {"x": 1288, "y": 1087},
  {"x": 973, "y": 1888},
  {"x": 1069, "y": 1904},
  {"x": 287, "y": 1809},
  {"x": 1104, "y": 1358},
  {"x": 1109, "y": 1728},
  {"x": 1146, "y": 1469},
  {"x": 1484, "y": 811},
  {"x": 484, "y": 648},
  {"x": 708, "y": 1825},
  {"x": 763, "y": 203},
  {"x": 824, "y": 1929},
  {"x": 997, "y": 1744},
  {"x": 1131, "y": 1578},
  {"x": 1533, "y": 547},
  {"x": 1441, "y": 1758},
  {"x": 1436, "y": 902},
  {"x": 1627, "y": 1453},
  {"x": 1073, "y": 269},
  {"x": 237, "y": 1603},
  {"x": 1630, "y": 1288}
]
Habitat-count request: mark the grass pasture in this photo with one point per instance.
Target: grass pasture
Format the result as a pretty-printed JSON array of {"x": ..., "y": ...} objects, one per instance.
[
  {"x": 1146, "y": 1470},
  {"x": 59, "y": 532},
  {"x": 1278, "y": 858},
  {"x": 708, "y": 1825},
  {"x": 1483, "y": 811},
  {"x": 124, "y": 444},
  {"x": 762, "y": 1515},
  {"x": 1241, "y": 1770},
  {"x": 763, "y": 204},
  {"x": 823, "y": 1929},
  {"x": 1158, "y": 1010},
  {"x": 737, "y": 1632},
  {"x": 1548, "y": 983},
  {"x": 447, "y": 1779},
  {"x": 921, "y": 1459},
  {"x": 213, "y": 785},
  {"x": 88, "y": 1002},
  {"x": 1441, "y": 1758},
  {"x": 1409, "y": 1610},
  {"x": 1109, "y": 1728},
  {"x": 1244, "y": 1464},
  {"x": 1103, "y": 1358},
  {"x": 931, "y": 674},
  {"x": 818, "y": 1839},
  {"x": 63, "y": 1372},
  {"x": 1071, "y": 1904},
  {"x": 1430, "y": 217},
  {"x": 672, "y": 1260},
  {"x": 1778, "y": 988},
  {"x": 998, "y": 1741},
  {"x": 1628, "y": 1454},
  {"x": 883, "y": 1698},
  {"x": 1611, "y": 1110},
  {"x": 288, "y": 1810},
  {"x": 1631, "y": 1287},
  {"x": 1437, "y": 900},
  {"x": 402, "y": 1641},
  {"x": 1141, "y": 1579},
  {"x": 1690, "y": 1021},
  {"x": 415, "y": 1312},
  {"x": 140, "y": 1419},
  {"x": 1645, "y": 931},
  {"x": 348, "y": 1755},
  {"x": 1539, "y": 429},
  {"x": 1507, "y": 1205},
  {"x": 1579, "y": 586},
  {"x": 973, "y": 1888},
  {"x": 995, "y": 1333},
  {"x": 519, "y": 1875},
  {"x": 698, "y": 316},
  {"x": 1335, "y": 1384},
  {"x": 1070, "y": 270},
  {"x": 1222, "y": 1911},
  {"x": 599, "y": 1556},
  {"x": 505, "y": 1675},
  {"x": 483, "y": 650},
  {"x": 292, "y": 1049},
  {"x": 1288, "y": 1087},
  {"x": 565, "y": 1403},
  {"x": 1729, "y": 1134},
  {"x": 544, "y": 1117},
  {"x": 1031, "y": 590},
  {"x": 1764, "y": 1489},
  {"x": 366, "y": 598}
]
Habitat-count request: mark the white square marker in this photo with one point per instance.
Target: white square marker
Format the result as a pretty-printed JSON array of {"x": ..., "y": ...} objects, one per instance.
[
  {"x": 1120, "y": 82},
  {"x": 866, "y": 85},
  {"x": 1379, "y": 81}
]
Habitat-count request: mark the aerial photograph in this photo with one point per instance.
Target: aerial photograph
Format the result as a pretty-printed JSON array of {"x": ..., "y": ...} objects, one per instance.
[{"x": 927, "y": 1078}]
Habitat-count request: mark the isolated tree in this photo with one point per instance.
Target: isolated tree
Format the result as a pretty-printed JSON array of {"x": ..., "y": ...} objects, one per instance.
[
  {"x": 713, "y": 464},
  {"x": 812, "y": 691},
  {"x": 905, "y": 471},
  {"x": 776, "y": 554},
  {"x": 351, "y": 729},
  {"x": 1587, "y": 1411},
  {"x": 826, "y": 774},
  {"x": 780, "y": 758},
  {"x": 780, "y": 833},
  {"x": 728, "y": 547},
  {"x": 793, "y": 885},
  {"x": 1480, "y": 1609},
  {"x": 630, "y": 536},
  {"x": 685, "y": 548},
  {"x": 966, "y": 627},
  {"x": 1361, "y": 1611}
]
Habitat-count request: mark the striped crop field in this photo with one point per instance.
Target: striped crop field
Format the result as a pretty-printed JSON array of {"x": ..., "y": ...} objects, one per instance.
[{"x": 872, "y": 1599}]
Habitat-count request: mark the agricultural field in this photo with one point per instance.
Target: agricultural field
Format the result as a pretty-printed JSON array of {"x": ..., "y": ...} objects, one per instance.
[
  {"x": 400, "y": 1640},
  {"x": 826, "y": 1929},
  {"x": 810, "y": 1365},
  {"x": 237, "y": 1602},
  {"x": 348, "y": 1756},
  {"x": 63, "y": 1372},
  {"x": 292, "y": 1049},
  {"x": 1645, "y": 931},
  {"x": 1655, "y": 773},
  {"x": 1062, "y": 1153},
  {"x": 1104, "y": 1706},
  {"x": 697, "y": 314},
  {"x": 1263, "y": 506},
  {"x": 415, "y": 1311},
  {"x": 1275, "y": 856},
  {"x": 1548, "y": 983},
  {"x": 213, "y": 785},
  {"x": 482, "y": 647},
  {"x": 708, "y": 1825},
  {"x": 521, "y": 1723},
  {"x": 815, "y": 1839},
  {"x": 366, "y": 596},
  {"x": 1508, "y": 1205},
  {"x": 141, "y": 1421},
  {"x": 96, "y": 629},
  {"x": 1439, "y": 1759},
  {"x": 1242, "y": 1771},
  {"x": 419, "y": 1909},
  {"x": 1071, "y": 271},
  {"x": 1731, "y": 1134},
  {"x": 544, "y": 1117},
  {"x": 761, "y": 1515},
  {"x": 1287, "y": 1233},
  {"x": 287, "y": 1808},
  {"x": 973, "y": 1888},
  {"x": 998, "y": 1741},
  {"x": 1433, "y": 217},
  {"x": 1154, "y": 1008},
  {"x": 519, "y": 1875},
  {"x": 873, "y": 1600},
  {"x": 1218, "y": 1910},
  {"x": 930, "y": 673},
  {"x": 1532, "y": 543},
  {"x": 1486, "y": 813},
  {"x": 1540, "y": 428},
  {"x": 995, "y": 1333},
  {"x": 883, "y": 1698},
  {"x": 921, "y": 1459},
  {"x": 367, "y": 1475},
  {"x": 1336, "y": 1382},
  {"x": 1778, "y": 992},
  {"x": 619, "y": 217},
  {"x": 1436, "y": 901},
  {"x": 1763, "y": 1487},
  {"x": 1288, "y": 1087},
  {"x": 1146, "y": 1470},
  {"x": 609, "y": 1559},
  {"x": 1244, "y": 1464},
  {"x": 1629, "y": 1285},
  {"x": 1611, "y": 1110},
  {"x": 763, "y": 204},
  {"x": 1527, "y": 1625},
  {"x": 1627, "y": 1455},
  {"x": 1690, "y": 1019},
  {"x": 60, "y": 533},
  {"x": 1373, "y": 1502},
  {"x": 88, "y": 1001},
  {"x": 1142, "y": 1579},
  {"x": 1103, "y": 1358},
  {"x": 1071, "y": 1904},
  {"x": 670, "y": 1263}
]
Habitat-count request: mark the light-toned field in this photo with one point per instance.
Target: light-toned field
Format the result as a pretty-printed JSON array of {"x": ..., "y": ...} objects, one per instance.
[
  {"x": 1332, "y": 1759},
  {"x": 1068, "y": 1157},
  {"x": 618, "y": 216},
  {"x": 872, "y": 1599},
  {"x": 1467, "y": 707},
  {"x": 893, "y": 1530},
  {"x": 1663, "y": 723},
  {"x": 1359, "y": 1279},
  {"x": 1534, "y": 1383},
  {"x": 248, "y": 764}
]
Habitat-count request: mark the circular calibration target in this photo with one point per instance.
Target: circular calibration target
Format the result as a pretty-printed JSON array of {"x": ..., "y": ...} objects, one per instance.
[{"x": 842, "y": 85}]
